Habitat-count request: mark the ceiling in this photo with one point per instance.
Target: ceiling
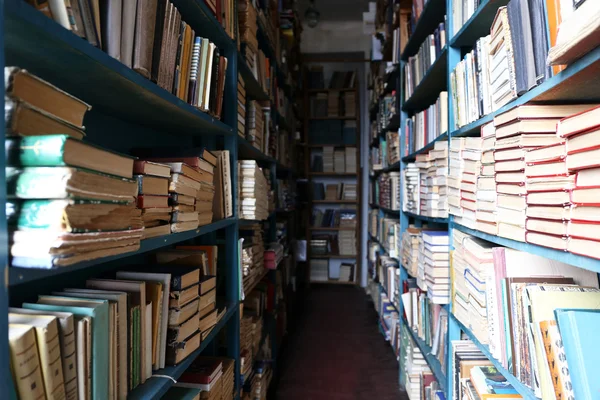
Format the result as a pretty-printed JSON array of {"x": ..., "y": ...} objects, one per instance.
[{"x": 337, "y": 10}]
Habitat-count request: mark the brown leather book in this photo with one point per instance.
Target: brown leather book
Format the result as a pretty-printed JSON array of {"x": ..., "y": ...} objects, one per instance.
[
  {"x": 173, "y": 49},
  {"x": 160, "y": 21},
  {"x": 166, "y": 40},
  {"x": 221, "y": 85},
  {"x": 144, "y": 37}
]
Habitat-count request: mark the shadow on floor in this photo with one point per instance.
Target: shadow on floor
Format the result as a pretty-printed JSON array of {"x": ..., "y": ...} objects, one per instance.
[{"x": 337, "y": 352}]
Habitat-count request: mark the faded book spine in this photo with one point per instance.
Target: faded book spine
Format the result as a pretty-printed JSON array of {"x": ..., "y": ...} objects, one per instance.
[{"x": 25, "y": 364}]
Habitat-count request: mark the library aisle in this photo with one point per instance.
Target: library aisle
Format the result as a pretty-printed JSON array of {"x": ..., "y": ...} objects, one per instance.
[{"x": 337, "y": 352}]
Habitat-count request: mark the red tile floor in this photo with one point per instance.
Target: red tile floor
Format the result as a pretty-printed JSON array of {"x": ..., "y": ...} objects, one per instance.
[{"x": 337, "y": 352}]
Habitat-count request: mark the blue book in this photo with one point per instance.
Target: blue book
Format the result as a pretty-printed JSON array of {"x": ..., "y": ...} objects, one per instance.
[
  {"x": 98, "y": 311},
  {"x": 579, "y": 333},
  {"x": 436, "y": 238}
]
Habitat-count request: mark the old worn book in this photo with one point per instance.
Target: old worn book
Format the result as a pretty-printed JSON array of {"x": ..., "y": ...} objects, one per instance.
[
  {"x": 203, "y": 312},
  {"x": 141, "y": 167},
  {"x": 178, "y": 227},
  {"x": 181, "y": 332},
  {"x": 111, "y": 16},
  {"x": 22, "y": 85},
  {"x": 186, "y": 170},
  {"x": 66, "y": 330},
  {"x": 207, "y": 283},
  {"x": 185, "y": 180},
  {"x": 179, "y": 216},
  {"x": 62, "y": 150},
  {"x": 179, "y": 298},
  {"x": 26, "y": 120},
  {"x": 152, "y": 185},
  {"x": 25, "y": 362},
  {"x": 152, "y": 201},
  {"x": 46, "y": 331},
  {"x": 208, "y": 321},
  {"x": 179, "y": 315},
  {"x": 66, "y": 182},
  {"x": 178, "y": 198},
  {"x": 180, "y": 188},
  {"x": 83, "y": 336},
  {"x": 184, "y": 208},
  {"x": 177, "y": 352},
  {"x": 145, "y": 23},
  {"x": 155, "y": 231},
  {"x": 207, "y": 298},
  {"x": 182, "y": 275}
]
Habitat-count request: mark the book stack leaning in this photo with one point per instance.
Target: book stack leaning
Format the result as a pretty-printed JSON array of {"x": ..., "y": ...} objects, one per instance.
[{"x": 68, "y": 201}]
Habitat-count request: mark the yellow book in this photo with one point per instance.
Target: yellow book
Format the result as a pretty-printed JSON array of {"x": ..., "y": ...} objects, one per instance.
[
  {"x": 25, "y": 362},
  {"x": 46, "y": 332}
]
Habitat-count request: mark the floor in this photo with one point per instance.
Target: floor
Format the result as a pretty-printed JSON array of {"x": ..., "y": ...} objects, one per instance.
[{"x": 337, "y": 352}]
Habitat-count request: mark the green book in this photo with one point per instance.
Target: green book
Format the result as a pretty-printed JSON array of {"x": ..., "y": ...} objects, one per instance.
[
  {"x": 98, "y": 311},
  {"x": 181, "y": 393}
]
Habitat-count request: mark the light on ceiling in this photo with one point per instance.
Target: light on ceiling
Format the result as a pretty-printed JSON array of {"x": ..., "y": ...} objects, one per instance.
[{"x": 312, "y": 15}]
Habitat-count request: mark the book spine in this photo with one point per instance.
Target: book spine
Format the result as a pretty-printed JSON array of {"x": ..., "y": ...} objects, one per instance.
[
  {"x": 35, "y": 151},
  {"x": 26, "y": 366},
  {"x": 50, "y": 360},
  {"x": 195, "y": 63},
  {"x": 59, "y": 12}
]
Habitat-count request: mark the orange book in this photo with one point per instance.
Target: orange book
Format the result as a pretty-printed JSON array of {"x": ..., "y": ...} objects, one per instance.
[{"x": 554, "y": 20}]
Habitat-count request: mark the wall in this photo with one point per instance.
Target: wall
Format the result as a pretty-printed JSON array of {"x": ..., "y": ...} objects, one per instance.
[{"x": 345, "y": 37}]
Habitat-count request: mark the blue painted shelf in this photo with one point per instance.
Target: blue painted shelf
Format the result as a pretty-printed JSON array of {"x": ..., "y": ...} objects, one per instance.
[
  {"x": 76, "y": 66},
  {"x": 160, "y": 382},
  {"x": 431, "y": 16},
  {"x": 562, "y": 256},
  {"x": 432, "y": 360},
  {"x": 433, "y": 83},
  {"x": 519, "y": 387},
  {"x": 427, "y": 219},
  {"x": 18, "y": 276},
  {"x": 577, "y": 83},
  {"x": 427, "y": 147},
  {"x": 478, "y": 25}
]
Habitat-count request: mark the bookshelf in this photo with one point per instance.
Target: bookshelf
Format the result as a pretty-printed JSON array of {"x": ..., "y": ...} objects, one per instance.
[
  {"x": 578, "y": 83},
  {"x": 316, "y": 147},
  {"x": 129, "y": 110}
]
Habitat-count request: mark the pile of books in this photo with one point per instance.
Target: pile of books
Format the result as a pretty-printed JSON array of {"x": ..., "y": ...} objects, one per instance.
[
  {"x": 319, "y": 270},
  {"x": 253, "y": 191},
  {"x": 420, "y": 63},
  {"x": 253, "y": 252},
  {"x": 241, "y": 107},
  {"x": 69, "y": 201},
  {"x": 411, "y": 200},
  {"x": 151, "y": 316},
  {"x": 486, "y": 214},
  {"x": 433, "y": 274},
  {"x": 211, "y": 375},
  {"x": 423, "y": 127},
  {"x": 455, "y": 173},
  {"x": 339, "y": 161},
  {"x": 255, "y": 124},
  {"x": 328, "y": 159},
  {"x": 466, "y": 172},
  {"x": 433, "y": 172},
  {"x": 191, "y": 189},
  {"x": 153, "y": 197},
  {"x": 350, "y": 160},
  {"x": 410, "y": 250},
  {"x": 347, "y": 236},
  {"x": 248, "y": 28},
  {"x": 349, "y": 104},
  {"x": 389, "y": 190},
  {"x": 348, "y": 191}
]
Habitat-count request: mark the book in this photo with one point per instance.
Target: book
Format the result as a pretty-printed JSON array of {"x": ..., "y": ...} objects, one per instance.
[
  {"x": 145, "y": 19},
  {"x": 62, "y": 150},
  {"x": 47, "y": 334},
  {"x": 178, "y": 333},
  {"x": 142, "y": 167},
  {"x": 22, "y": 85},
  {"x": 23, "y": 119},
  {"x": 177, "y": 352},
  {"x": 25, "y": 362}
]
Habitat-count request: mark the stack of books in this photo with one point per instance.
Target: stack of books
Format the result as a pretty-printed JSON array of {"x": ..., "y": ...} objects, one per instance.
[
  {"x": 241, "y": 107},
  {"x": 253, "y": 191},
  {"x": 389, "y": 190},
  {"x": 455, "y": 174},
  {"x": 333, "y": 104},
  {"x": 255, "y": 124},
  {"x": 153, "y": 197},
  {"x": 205, "y": 374},
  {"x": 350, "y": 160},
  {"x": 253, "y": 254},
  {"x": 433, "y": 194},
  {"x": 69, "y": 201},
  {"x": 339, "y": 161},
  {"x": 420, "y": 63},
  {"x": 411, "y": 200},
  {"x": 423, "y": 127},
  {"x": 473, "y": 264},
  {"x": 349, "y": 103},
  {"x": 410, "y": 250},
  {"x": 415, "y": 372},
  {"x": 469, "y": 192},
  {"x": 434, "y": 266},
  {"x": 349, "y": 191},
  {"x": 319, "y": 270},
  {"x": 347, "y": 234},
  {"x": 328, "y": 164},
  {"x": 487, "y": 215},
  {"x": 393, "y": 147},
  {"x": 248, "y": 29}
]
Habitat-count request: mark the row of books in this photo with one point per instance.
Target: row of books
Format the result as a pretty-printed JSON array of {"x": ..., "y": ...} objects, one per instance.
[
  {"x": 415, "y": 374},
  {"x": 423, "y": 127},
  {"x": 331, "y": 244},
  {"x": 543, "y": 191},
  {"x": 531, "y": 311},
  {"x": 387, "y": 110},
  {"x": 512, "y": 59},
  {"x": 387, "y": 153},
  {"x": 332, "y": 192},
  {"x": 387, "y": 190},
  {"x": 387, "y": 232},
  {"x": 323, "y": 270},
  {"x": 253, "y": 193},
  {"x": 253, "y": 255},
  {"x": 334, "y": 218},
  {"x": 419, "y": 64},
  {"x": 335, "y": 159},
  {"x": 333, "y": 104},
  {"x": 160, "y": 312}
]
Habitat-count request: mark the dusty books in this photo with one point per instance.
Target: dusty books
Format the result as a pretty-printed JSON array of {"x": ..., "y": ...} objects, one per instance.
[{"x": 253, "y": 190}]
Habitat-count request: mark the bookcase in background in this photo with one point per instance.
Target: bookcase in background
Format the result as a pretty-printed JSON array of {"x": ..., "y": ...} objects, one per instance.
[
  {"x": 332, "y": 161},
  {"x": 131, "y": 111}
]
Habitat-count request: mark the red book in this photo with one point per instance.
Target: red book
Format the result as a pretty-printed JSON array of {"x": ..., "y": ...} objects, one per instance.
[
  {"x": 579, "y": 122},
  {"x": 202, "y": 371},
  {"x": 149, "y": 201}
]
